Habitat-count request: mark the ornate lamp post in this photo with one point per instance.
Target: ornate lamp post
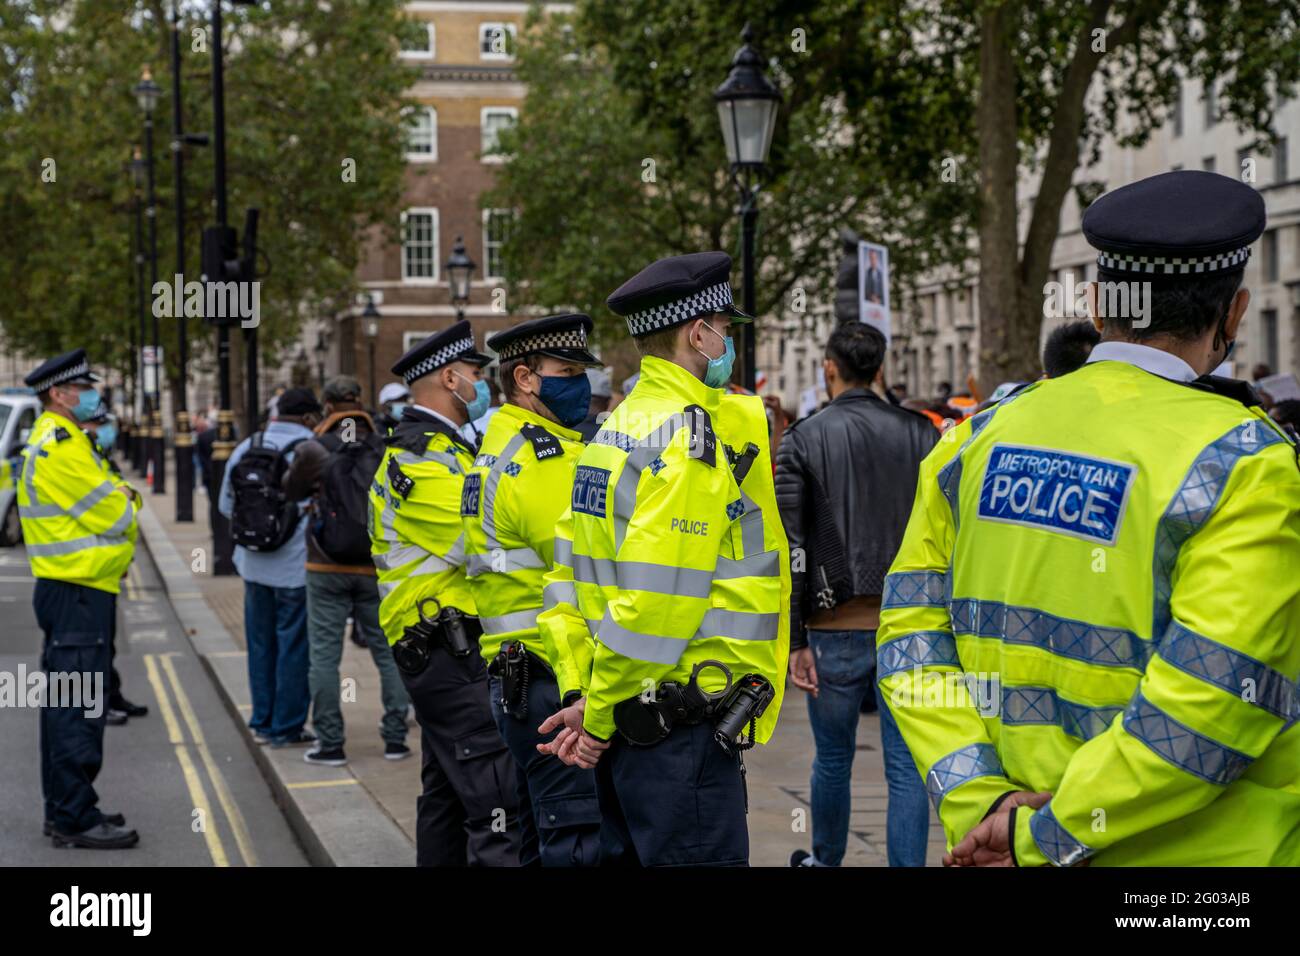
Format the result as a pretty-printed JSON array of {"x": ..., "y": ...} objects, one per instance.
[{"x": 460, "y": 267}]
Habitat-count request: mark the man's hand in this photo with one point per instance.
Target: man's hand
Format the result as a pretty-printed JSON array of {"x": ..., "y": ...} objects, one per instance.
[
  {"x": 803, "y": 670},
  {"x": 569, "y": 720},
  {"x": 989, "y": 844}
]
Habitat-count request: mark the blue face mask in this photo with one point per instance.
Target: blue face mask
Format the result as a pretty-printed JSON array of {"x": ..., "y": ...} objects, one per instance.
[
  {"x": 106, "y": 437},
  {"x": 86, "y": 404},
  {"x": 718, "y": 373},
  {"x": 397, "y": 408},
  {"x": 567, "y": 396},
  {"x": 482, "y": 398}
]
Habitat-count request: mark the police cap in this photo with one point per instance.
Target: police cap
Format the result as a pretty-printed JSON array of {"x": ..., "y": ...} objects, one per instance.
[
  {"x": 453, "y": 344},
  {"x": 70, "y": 368},
  {"x": 1184, "y": 223},
  {"x": 676, "y": 290},
  {"x": 559, "y": 336}
]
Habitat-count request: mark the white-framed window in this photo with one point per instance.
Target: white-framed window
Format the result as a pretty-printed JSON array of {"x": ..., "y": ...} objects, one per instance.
[
  {"x": 411, "y": 339},
  {"x": 492, "y": 120},
  {"x": 421, "y": 134},
  {"x": 496, "y": 229},
  {"x": 416, "y": 40},
  {"x": 420, "y": 245},
  {"x": 496, "y": 41}
]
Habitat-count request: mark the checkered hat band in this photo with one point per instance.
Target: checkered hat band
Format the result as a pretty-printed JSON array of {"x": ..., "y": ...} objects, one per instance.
[
  {"x": 545, "y": 341},
  {"x": 1167, "y": 265},
  {"x": 438, "y": 359},
  {"x": 716, "y": 298},
  {"x": 75, "y": 371}
]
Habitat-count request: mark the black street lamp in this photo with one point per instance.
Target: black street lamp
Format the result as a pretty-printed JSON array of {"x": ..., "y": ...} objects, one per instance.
[
  {"x": 460, "y": 268},
  {"x": 321, "y": 350},
  {"x": 370, "y": 325},
  {"x": 140, "y": 429},
  {"x": 747, "y": 107},
  {"x": 147, "y": 93}
]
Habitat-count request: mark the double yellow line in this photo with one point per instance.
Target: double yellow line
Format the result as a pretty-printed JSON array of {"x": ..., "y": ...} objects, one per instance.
[{"x": 156, "y": 666}]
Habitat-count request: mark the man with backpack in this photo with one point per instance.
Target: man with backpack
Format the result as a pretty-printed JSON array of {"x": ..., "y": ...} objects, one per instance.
[
  {"x": 335, "y": 470},
  {"x": 271, "y": 556}
]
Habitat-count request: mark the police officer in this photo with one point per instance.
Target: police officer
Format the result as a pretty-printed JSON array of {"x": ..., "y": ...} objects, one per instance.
[
  {"x": 671, "y": 586},
  {"x": 79, "y": 527},
  {"x": 1131, "y": 581},
  {"x": 466, "y": 813},
  {"x": 513, "y": 497},
  {"x": 101, "y": 427}
]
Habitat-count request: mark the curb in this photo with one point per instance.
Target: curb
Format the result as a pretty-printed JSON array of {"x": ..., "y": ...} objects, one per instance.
[{"x": 332, "y": 814}]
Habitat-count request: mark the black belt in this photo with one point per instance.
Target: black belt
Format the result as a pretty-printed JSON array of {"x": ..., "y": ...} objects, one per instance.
[
  {"x": 450, "y": 628},
  {"x": 646, "y": 719}
]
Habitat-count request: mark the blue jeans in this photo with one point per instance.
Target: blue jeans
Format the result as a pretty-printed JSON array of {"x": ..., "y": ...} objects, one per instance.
[
  {"x": 275, "y": 627},
  {"x": 844, "y": 661}
]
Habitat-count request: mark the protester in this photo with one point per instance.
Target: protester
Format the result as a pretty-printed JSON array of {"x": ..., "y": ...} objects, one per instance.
[
  {"x": 271, "y": 557},
  {"x": 845, "y": 480},
  {"x": 335, "y": 469},
  {"x": 1068, "y": 347},
  {"x": 393, "y": 399},
  {"x": 598, "y": 378}
]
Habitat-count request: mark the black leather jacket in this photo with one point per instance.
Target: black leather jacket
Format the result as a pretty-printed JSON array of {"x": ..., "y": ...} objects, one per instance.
[{"x": 845, "y": 480}]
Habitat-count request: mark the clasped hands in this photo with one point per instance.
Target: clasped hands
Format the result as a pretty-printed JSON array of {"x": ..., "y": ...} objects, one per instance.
[
  {"x": 989, "y": 842},
  {"x": 573, "y": 745}
]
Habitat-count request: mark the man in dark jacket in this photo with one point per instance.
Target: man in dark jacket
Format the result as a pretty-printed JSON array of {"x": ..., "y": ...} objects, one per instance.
[
  {"x": 340, "y": 586},
  {"x": 845, "y": 480}
]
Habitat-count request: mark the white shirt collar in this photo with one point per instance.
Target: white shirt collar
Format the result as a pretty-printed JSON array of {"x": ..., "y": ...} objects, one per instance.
[
  {"x": 438, "y": 415},
  {"x": 1153, "y": 360}
]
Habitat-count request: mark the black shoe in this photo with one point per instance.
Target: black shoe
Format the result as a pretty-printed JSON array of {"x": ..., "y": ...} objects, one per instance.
[
  {"x": 102, "y": 836},
  {"x": 116, "y": 819},
  {"x": 334, "y": 757},
  {"x": 128, "y": 708},
  {"x": 801, "y": 858},
  {"x": 115, "y": 718},
  {"x": 299, "y": 739},
  {"x": 396, "y": 751}
]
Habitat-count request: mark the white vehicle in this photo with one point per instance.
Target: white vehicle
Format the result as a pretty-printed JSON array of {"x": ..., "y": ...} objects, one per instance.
[{"x": 18, "y": 412}]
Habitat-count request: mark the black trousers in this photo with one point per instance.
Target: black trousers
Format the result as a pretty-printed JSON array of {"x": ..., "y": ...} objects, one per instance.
[
  {"x": 559, "y": 817},
  {"x": 78, "y": 623},
  {"x": 678, "y": 803},
  {"x": 467, "y": 812}
]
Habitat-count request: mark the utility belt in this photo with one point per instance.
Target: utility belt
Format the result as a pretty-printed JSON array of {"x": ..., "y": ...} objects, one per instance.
[
  {"x": 650, "y": 717},
  {"x": 515, "y": 666},
  {"x": 448, "y": 627}
]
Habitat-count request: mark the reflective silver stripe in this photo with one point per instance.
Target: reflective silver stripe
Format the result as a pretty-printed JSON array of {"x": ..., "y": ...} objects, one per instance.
[
  {"x": 1229, "y": 670},
  {"x": 35, "y": 509},
  {"x": 915, "y": 589},
  {"x": 503, "y": 561},
  {"x": 1054, "y": 841},
  {"x": 643, "y": 576},
  {"x": 564, "y": 552},
  {"x": 514, "y": 621},
  {"x": 442, "y": 457},
  {"x": 73, "y": 545},
  {"x": 430, "y": 565},
  {"x": 40, "y": 511},
  {"x": 388, "y": 587},
  {"x": 949, "y": 476},
  {"x": 490, "y": 489},
  {"x": 1043, "y": 705},
  {"x": 1108, "y": 646},
  {"x": 918, "y": 649},
  {"x": 599, "y": 571},
  {"x": 121, "y": 524},
  {"x": 1194, "y": 502},
  {"x": 559, "y": 592},
  {"x": 1181, "y": 746},
  {"x": 765, "y": 564},
  {"x": 396, "y": 557},
  {"x": 642, "y": 647},
  {"x": 739, "y": 625},
  {"x": 751, "y": 526},
  {"x": 92, "y": 498},
  {"x": 961, "y": 766},
  {"x": 456, "y": 553}
]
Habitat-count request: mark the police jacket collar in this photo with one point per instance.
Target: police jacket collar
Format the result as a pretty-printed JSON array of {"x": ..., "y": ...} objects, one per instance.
[
  {"x": 415, "y": 425},
  {"x": 520, "y": 416},
  {"x": 1153, "y": 360},
  {"x": 663, "y": 379}
]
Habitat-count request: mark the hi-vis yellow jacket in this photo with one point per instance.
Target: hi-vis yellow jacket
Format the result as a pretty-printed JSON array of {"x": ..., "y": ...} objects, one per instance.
[
  {"x": 1109, "y": 611},
  {"x": 512, "y": 498},
  {"x": 75, "y": 526},
  {"x": 665, "y": 558},
  {"x": 416, "y": 539}
]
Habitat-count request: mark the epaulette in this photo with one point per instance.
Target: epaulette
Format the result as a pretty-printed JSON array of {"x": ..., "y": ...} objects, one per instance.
[
  {"x": 398, "y": 480},
  {"x": 545, "y": 445},
  {"x": 61, "y": 434},
  {"x": 1232, "y": 388},
  {"x": 704, "y": 443}
]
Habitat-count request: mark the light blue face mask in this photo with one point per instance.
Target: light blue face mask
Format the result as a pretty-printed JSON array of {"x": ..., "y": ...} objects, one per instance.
[
  {"x": 482, "y": 398},
  {"x": 86, "y": 405},
  {"x": 718, "y": 373},
  {"x": 106, "y": 436},
  {"x": 397, "y": 408}
]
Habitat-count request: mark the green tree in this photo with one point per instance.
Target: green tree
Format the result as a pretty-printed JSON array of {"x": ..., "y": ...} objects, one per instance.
[{"x": 309, "y": 86}]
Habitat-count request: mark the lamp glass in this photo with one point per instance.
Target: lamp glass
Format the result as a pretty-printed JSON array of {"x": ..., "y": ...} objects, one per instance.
[{"x": 747, "y": 128}]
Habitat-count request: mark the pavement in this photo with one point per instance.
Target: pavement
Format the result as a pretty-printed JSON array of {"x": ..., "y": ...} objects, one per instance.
[{"x": 364, "y": 813}]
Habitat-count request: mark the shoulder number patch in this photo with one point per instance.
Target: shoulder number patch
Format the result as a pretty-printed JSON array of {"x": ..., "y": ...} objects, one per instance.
[
  {"x": 589, "y": 488},
  {"x": 1055, "y": 490},
  {"x": 469, "y": 494}
]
